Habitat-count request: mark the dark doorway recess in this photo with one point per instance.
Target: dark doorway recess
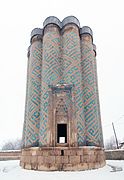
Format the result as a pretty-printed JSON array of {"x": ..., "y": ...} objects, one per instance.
[{"x": 61, "y": 133}]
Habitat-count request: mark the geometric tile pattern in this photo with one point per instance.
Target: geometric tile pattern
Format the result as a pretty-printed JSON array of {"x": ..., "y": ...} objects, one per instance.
[
  {"x": 72, "y": 74},
  {"x": 32, "y": 114},
  {"x": 97, "y": 102},
  {"x": 89, "y": 94},
  {"x": 50, "y": 76},
  {"x": 24, "y": 134}
]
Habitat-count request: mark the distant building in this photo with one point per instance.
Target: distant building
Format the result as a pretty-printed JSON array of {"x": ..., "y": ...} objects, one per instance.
[{"x": 62, "y": 126}]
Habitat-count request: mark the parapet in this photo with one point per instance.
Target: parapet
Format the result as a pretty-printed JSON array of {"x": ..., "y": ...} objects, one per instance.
[
  {"x": 55, "y": 20},
  {"x": 67, "y": 20}
]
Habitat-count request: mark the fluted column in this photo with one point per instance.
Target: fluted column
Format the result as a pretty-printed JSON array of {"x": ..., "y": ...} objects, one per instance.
[
  {"x": 51, "y": 74},
  {"x": 97, "y": 98},
  {"x": 72, "y": 75},
  {"x": 33, "y": 95},
  {"x": 88, "y": 79}
]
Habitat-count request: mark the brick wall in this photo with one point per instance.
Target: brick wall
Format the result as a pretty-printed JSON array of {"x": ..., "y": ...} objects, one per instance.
[
  {"x": 10, "y": 155},
  {"x": 114, "y": 154}
]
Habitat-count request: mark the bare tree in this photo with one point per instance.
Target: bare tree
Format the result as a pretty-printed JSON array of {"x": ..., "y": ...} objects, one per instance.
[
  {"x": 110, "y": 143},
  {"x": 12, "y": 145}
]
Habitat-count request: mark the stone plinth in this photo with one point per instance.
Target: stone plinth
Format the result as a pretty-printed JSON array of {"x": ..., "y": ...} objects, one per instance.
[{"x": 62, "y": 158}]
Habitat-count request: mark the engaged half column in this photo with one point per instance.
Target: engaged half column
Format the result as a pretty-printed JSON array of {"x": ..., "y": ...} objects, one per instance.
[
  {"x": 50, "y": 74},
  {"x": 72, "y": 76},
  {"x": 89, "y": 92},
  {"x": 33, "y": 95}
]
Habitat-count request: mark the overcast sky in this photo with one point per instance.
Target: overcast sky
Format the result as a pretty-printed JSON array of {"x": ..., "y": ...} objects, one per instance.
[{"x": 18, "y": 18}]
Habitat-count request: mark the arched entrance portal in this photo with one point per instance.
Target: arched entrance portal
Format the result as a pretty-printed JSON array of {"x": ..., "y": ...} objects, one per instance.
[{"x": 63, "y": 125}]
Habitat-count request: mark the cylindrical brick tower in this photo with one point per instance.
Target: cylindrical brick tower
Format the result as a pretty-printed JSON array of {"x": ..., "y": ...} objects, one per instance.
[
  {"x": 33, "y": 95},
  {"x": 62, "y": 126}
]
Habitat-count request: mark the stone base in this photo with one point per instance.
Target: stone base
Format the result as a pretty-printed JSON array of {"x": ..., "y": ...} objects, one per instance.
[{"x": 62, "y": 158}]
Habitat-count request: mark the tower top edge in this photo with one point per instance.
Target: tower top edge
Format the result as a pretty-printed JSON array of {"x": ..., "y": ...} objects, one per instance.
[
  {"x": 61, "y": 24},
  {"x": 86, "y": 30},
  {"x": 67, "y": 20}
]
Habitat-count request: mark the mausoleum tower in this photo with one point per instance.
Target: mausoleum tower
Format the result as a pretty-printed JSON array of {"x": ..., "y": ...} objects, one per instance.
[{"x": 62, "y": 126}]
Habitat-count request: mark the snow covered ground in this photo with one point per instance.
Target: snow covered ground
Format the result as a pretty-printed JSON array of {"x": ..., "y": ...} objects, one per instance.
[{"x": 10, "y": 170}]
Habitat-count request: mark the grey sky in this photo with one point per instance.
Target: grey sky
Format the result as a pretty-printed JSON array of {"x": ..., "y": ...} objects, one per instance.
[{"x": 18, "y": 18}]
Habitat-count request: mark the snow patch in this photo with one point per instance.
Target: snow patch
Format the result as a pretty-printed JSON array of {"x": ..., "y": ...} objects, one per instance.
[
  {"x": 1, "y": 151},
  {"x": 11, "y": 170}
]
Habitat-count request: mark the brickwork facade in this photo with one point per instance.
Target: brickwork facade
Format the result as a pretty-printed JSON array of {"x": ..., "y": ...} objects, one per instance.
[{"x": 62, "y": 101}]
